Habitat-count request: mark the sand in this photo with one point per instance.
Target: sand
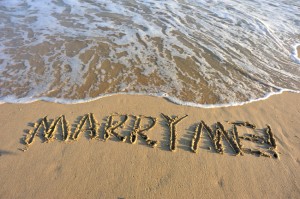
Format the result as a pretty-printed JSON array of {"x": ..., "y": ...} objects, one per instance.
[{"x": 94, "y": 168}]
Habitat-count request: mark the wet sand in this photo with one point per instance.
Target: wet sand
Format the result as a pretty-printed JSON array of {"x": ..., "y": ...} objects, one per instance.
[{"x": 95, "y": 168}]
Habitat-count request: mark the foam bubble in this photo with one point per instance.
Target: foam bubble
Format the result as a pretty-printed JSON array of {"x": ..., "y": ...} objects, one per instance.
[{"x": 295, "y": 53}]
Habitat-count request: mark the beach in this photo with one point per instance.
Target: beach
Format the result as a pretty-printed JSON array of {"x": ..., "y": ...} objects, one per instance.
[
  {"x": 95, "y": 168},
  {"x": 149, "y": 99}
]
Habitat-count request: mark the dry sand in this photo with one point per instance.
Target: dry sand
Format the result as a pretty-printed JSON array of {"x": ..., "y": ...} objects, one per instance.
[{"x": 112, "y": 169}]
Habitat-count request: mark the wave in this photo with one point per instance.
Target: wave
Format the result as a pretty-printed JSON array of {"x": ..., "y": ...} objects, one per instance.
[{"x": 201, "y": 52}]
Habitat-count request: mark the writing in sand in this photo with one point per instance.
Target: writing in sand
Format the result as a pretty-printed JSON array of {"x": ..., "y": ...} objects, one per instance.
[{"x": 263, "y": 140}]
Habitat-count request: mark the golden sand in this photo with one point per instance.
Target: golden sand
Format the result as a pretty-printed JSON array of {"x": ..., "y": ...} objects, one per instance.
[{"x": 102, "y": 160}]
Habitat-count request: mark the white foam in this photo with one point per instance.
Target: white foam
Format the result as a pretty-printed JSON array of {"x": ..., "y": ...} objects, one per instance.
[
  {"x": 240, "y": 52},
  {"x": 294, "y": 54}
]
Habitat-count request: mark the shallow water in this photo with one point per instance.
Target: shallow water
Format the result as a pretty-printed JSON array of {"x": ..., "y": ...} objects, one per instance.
[{"x": 204, "y": 52}]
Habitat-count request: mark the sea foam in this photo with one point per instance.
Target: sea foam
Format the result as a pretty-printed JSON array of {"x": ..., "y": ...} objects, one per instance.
[{"x": 197, "y": 53}]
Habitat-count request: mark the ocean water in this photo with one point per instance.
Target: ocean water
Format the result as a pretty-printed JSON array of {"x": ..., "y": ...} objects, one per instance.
[{"x": 195, "y": 52}]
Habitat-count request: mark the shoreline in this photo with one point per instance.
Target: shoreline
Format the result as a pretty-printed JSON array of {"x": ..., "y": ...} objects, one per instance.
[
  {"x": 165, "y": 96},
  {"x": 93, "y": 168}
]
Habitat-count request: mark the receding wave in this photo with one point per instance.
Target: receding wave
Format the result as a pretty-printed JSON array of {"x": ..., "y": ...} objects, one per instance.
[{"x": 201, "y": 52}]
